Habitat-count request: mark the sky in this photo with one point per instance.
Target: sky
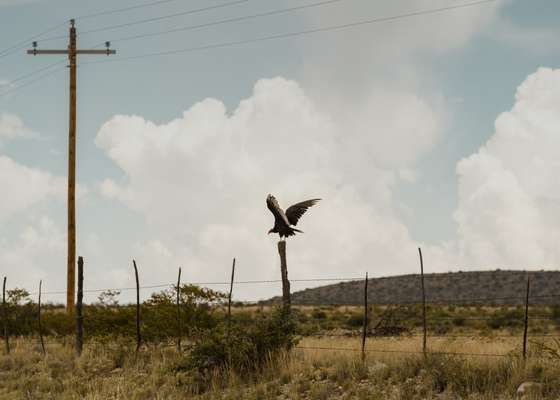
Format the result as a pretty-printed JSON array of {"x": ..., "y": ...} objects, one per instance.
[{"x": 437, "y": 130}]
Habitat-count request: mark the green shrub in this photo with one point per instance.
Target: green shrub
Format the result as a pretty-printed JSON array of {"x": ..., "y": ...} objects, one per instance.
[
  {"x": 246, "y": 348},
  {"x": 355, "y": 321},
  {"x": 319, "y": 314}
]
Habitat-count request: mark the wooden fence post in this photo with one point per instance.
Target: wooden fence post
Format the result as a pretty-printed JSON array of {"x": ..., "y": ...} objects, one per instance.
[
  {"x": 228, "y": 328},
  {"x": 79, "y": 314},
  {"x": 39, "y": 320},
  {"x": 286, "y": 300},
  {"x": 138, "y": 337},
  {"x": 526, "y": 319},
  {"x": 424, "y": 344},
  {"x": 179, "y": 331},
  {"x": 5, "y": 317},
  {"x": 364, "y": 332}
]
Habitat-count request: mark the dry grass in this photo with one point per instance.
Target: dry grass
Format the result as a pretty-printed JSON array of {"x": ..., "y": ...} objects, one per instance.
[{"x": 112, "y": 371}]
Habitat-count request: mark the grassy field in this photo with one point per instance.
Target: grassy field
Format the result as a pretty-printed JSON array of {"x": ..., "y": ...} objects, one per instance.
[
  {"x": 113, "y": 371},
  {"x": 474, "y": 352}
]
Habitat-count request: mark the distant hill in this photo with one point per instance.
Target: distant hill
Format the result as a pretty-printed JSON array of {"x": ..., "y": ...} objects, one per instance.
[{"x": 503, "y": 286}]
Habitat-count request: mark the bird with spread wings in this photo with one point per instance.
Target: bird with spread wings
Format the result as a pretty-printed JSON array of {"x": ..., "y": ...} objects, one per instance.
[{"x": 284, "y": 221}]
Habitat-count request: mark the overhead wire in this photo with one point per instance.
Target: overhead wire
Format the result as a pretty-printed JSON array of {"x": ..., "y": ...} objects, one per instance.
[
  {"x": 296, "y": 33},
  {"x": 23, "y": 43},
  {"x": 153, "y": 19},
  {"x": 23, "y": 85},
  {"x": 34, "y": 72},
  {"x": 118, "y": 10},
  {"x": 224, "y": 21}
]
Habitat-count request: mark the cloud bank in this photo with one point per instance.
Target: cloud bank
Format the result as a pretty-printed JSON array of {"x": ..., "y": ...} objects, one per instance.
[
  {"x": 201, "y": 181},
  {"x": 509, "y": 198}
]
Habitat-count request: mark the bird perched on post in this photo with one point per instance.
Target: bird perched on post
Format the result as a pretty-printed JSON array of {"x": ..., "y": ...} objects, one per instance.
[{"x": 283, "y": 221}]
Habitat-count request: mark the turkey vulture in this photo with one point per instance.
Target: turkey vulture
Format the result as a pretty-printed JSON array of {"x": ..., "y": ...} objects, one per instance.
[{"x": 282, "y": 221}]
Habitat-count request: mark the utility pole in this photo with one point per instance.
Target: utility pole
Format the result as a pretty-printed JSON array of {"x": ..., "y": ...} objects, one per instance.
[{"x": 72, "y": 53}]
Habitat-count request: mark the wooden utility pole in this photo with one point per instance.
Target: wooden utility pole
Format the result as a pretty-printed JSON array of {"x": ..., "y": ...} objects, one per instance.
[
  {"x": 424, "y": 347},
  {"x": 72, "y": 53}
]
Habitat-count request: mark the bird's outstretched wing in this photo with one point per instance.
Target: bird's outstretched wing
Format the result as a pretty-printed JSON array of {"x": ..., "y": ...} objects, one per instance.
[
  {"x": 275, "y": 209},
  {"x": 294, "y": 213}
]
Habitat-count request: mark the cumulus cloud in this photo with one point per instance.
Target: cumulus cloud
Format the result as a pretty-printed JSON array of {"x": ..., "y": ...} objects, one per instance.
[
  {"x": 38, "y": 252},
  {"x": 25, "y": 186},
  {"x": 11, "y": 127},
  {"x": 201, "y": 182},
  {"x": 509, "y": 199}
]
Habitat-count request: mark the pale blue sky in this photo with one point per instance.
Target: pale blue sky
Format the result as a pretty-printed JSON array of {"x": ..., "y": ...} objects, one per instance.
[{"x": 475, "y": 78}]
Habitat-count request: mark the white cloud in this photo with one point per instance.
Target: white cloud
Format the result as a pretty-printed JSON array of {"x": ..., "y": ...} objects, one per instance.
[
  {"x": 25, "y": 186},
  {"x": 37, "y": 253},
  {"x": 11, "y": 127},
  {"x": 509, "y": 198},
  {"x": 201, "y": 183}
]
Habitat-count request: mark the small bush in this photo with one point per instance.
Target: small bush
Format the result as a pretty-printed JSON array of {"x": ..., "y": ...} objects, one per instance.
[
  {"x": 246, "y": 349},
  {"x": 355, "y": 320},
  {"x": 319, "y": 314}
]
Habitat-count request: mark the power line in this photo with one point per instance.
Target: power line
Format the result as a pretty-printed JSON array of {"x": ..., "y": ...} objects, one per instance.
[
  {"x": 225, "y": 21},
  {"x": 153, "y": 19},
  {"x": 34, "y": 72},
  {"x": 19, "y": 87},
  {"x": 298, "y": 33},
  {"x": 23, "y": 43},
  {"x": 118, "y": 10}
]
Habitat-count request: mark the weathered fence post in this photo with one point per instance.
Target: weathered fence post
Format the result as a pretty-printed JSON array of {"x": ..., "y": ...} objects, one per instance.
[
  {"x": 424, "y": 347},
  {"x": 229, "y": 311},
  {"x": 286, "y": 300},
  {"x": 79, "y": 314},
  {"x": 39, "y": 320},
  {"x": 364, "y": 332},
  {"x": 138, "y": 337},
  {"x": 526, "y": 319},
  {"x": 179, "y": 331},
  {"x": 5, "y": 317}
]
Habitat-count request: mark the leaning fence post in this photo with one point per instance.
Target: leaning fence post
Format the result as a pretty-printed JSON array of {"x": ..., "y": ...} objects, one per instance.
[
  {"x": 284, "y": 270},
  {"x": 364, "y": 332},
  {"x": 5, "y": 317},
  {"x": 526, "y": 319},
  {"x": 229, "y": 311},
  {"x": 179, "y": 332},
  {"x": 39, "y": 320},
  {"x": 138, "y": 337},
  {"x": 79, "y": 315},
  {"x": 424, "y": 348}
]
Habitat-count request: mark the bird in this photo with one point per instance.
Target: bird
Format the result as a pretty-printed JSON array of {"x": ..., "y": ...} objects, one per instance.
[{"x": 284, "y": 221}]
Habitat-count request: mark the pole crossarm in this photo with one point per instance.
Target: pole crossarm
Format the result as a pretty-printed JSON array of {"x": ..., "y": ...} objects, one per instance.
[{"x": 78, "y": 51}]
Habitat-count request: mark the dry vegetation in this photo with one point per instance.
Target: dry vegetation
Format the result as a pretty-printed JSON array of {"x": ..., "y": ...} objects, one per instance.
[
  {"x": 113, "y": 371},
  {"x": 325, "y": 364}
]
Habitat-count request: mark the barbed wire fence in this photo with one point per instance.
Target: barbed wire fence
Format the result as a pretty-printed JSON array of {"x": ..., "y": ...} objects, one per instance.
[{"x": 432, "y": 326}]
